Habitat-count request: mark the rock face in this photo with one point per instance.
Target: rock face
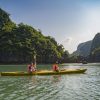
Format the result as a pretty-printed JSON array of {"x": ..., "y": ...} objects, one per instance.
[
  {"x": 83, "y": 49},
  {"x": 90, "y": 49},
  {"x": 95, "y": 49},
  {"x": 96, "y": 42}
]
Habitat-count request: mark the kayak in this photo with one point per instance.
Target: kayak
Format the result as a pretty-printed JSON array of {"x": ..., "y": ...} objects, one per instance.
[{"x": 44, "y": 72}]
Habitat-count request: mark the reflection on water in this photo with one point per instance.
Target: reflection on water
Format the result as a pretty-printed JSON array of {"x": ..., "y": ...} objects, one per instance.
[
  {"x": 53, "y": 87},
  {"x": 56, "y": 78}
]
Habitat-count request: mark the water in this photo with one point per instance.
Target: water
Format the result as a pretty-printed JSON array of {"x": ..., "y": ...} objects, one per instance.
[{"x": 55, "y": 87}]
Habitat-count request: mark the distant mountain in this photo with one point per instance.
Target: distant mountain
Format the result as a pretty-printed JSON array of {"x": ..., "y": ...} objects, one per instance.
[
  {"x": 96, "y": 42},
  {"x": 90, "y": 49},
  {"x": 95, "y": 49},
  {"x": 83, "y": 49}
]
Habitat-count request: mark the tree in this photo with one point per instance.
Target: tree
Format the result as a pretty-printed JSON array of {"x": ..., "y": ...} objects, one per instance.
[{"x": 20, "y": 43}]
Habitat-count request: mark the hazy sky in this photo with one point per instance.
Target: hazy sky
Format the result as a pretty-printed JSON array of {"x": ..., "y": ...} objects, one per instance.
[{"x": 70, "y": 22}]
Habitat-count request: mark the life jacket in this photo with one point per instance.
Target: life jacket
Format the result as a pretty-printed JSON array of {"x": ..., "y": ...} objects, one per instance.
[
  {"x": 55, "y": 67},
  {"x": 33, "y": 68}
]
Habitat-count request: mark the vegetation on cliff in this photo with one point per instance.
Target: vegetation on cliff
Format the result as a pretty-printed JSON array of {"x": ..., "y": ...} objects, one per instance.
[{"x": 19, "y": 43}]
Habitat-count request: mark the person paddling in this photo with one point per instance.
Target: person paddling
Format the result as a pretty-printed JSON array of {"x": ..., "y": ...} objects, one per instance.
[
  {"x": 55, "y": 67},
  {"x": 31, "y": 68}
]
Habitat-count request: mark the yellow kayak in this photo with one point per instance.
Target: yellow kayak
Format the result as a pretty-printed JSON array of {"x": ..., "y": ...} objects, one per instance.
[{"x": 44, "y": 72}]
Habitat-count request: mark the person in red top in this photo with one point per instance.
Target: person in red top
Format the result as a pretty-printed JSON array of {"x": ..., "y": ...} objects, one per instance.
[{"x": 55, "y": 67}]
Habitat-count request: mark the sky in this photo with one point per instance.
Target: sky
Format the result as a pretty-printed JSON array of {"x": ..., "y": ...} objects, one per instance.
[{"x": 70, "y": 22}]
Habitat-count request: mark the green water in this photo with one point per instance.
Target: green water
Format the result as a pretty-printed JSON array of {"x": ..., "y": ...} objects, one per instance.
[{"x": 55, "y": 87}]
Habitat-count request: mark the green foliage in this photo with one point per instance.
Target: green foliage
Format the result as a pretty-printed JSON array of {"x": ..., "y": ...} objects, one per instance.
[{"x": 19, "y": 43}]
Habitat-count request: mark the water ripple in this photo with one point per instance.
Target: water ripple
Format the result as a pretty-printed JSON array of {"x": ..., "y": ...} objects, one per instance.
[{"x": 56, "y": 87}]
